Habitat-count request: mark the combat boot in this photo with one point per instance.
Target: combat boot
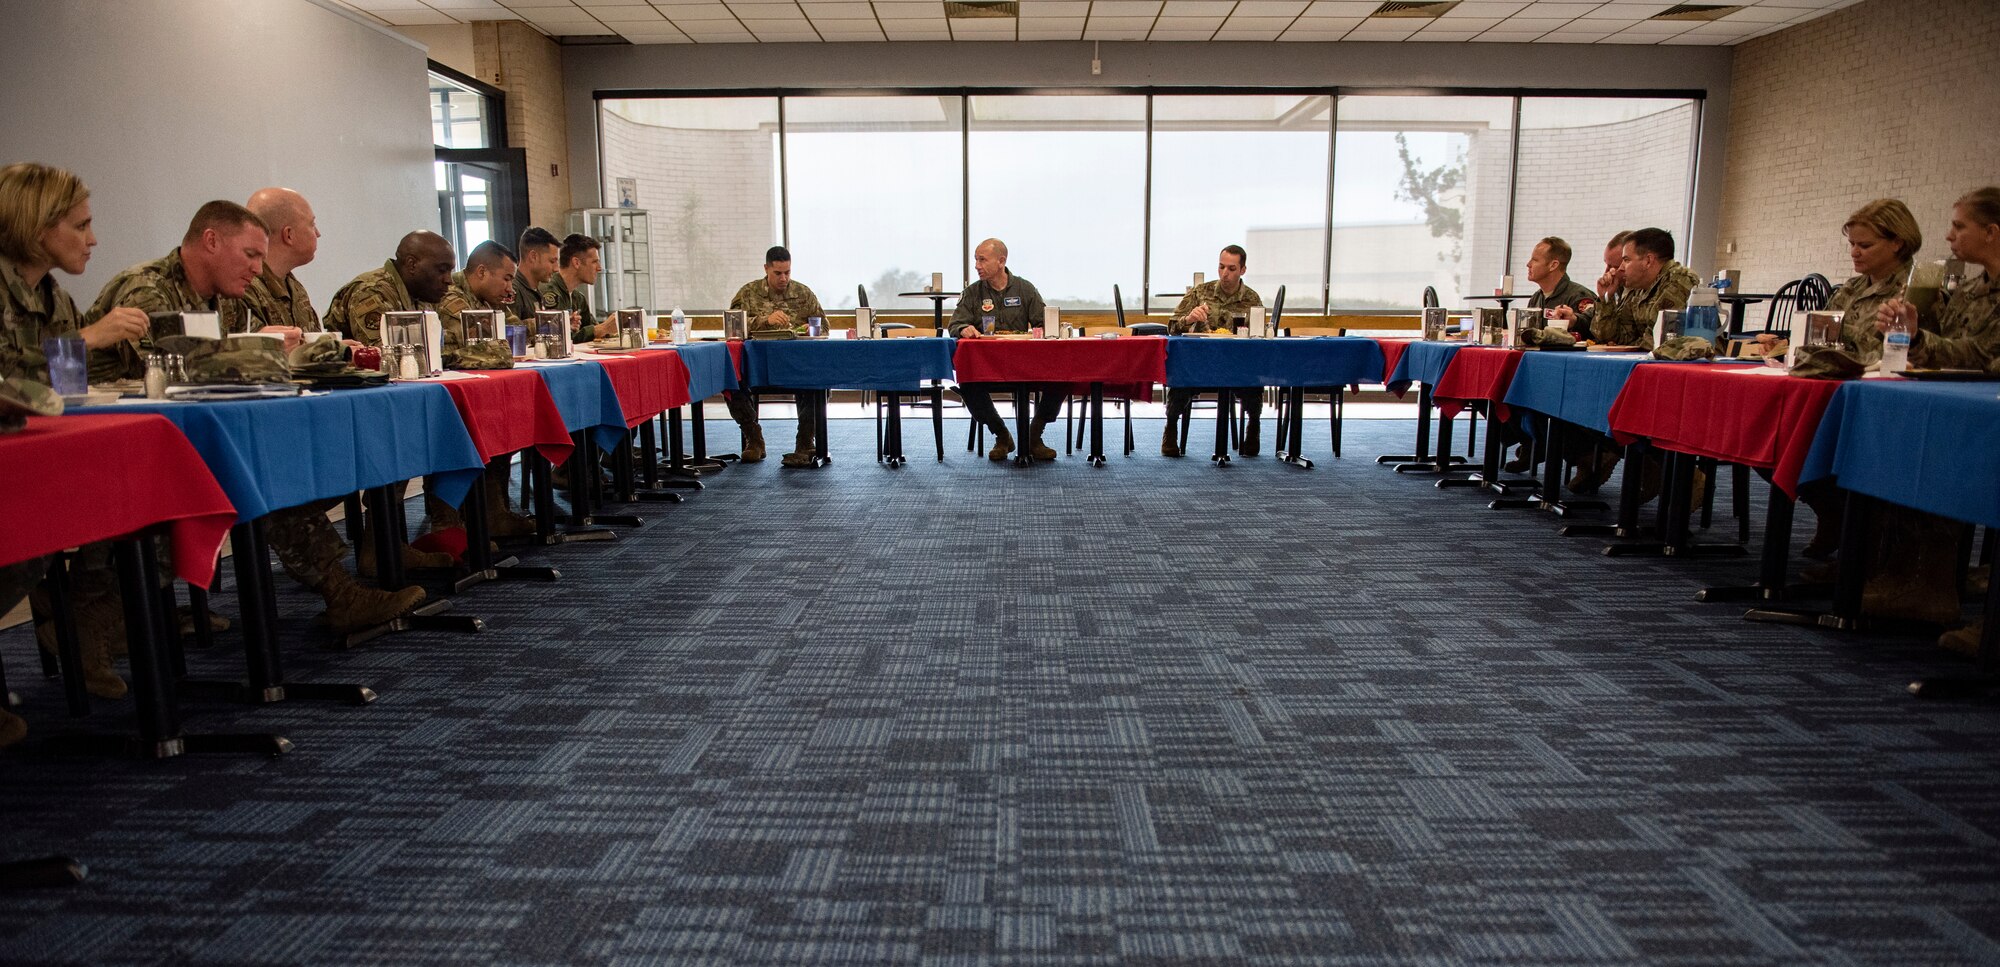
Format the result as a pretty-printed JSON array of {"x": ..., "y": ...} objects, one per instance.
[
  {"x": 99, "y": 623},
  {"x": 753, "y": 445},
  {"x": 439, "y": 515},
  {"x": 352, "y": 607},
  {"x": 1170, "y": 444},
  {"x": 1250, "y": 445},
  {"x": 364, "y": 557},
  {"x": 13, "y": 728},
  {"x": 501, "y": 520},
  {"x": 1964, "y": 641},
  {"x": 1038, "y": 449},
  {"x": 1003, "y": 444}
]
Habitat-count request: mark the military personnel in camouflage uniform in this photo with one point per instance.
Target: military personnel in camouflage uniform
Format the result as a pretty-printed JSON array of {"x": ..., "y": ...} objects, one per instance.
[
  {"x": 771, "y": 303},
  {"x": 486, "y": 282},
  {"x": 579, "y": 265},
  {"x": 1610, "y": 288},
  {"x": 1653, "y": 282},
  {"x": 215, "y": 264},
  {"x": 1207, "y": 307},
  {"x": 45, "y": 224},
  {"x": 278, "y": 298},
  {"x": 1961, "y": 330},
  {"x": 537, "y": 256},
  {"x": 1011, "y": 304},
  {"x": 414, "y": 281}
]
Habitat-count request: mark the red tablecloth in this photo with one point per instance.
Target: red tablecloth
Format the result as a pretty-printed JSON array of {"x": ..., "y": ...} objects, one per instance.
[
  {"x": 1129, "y": 360},
  {"x": 1742, "y": 414},
  {"x": 75, "y": 480},
  {"x": 510, "y": 410},
  {"x": 647, "y": 383},
  {"x": 1477, "y": 373},
  {"x": 736, "y": 358},
  {"x": 1392, "y": 353}
]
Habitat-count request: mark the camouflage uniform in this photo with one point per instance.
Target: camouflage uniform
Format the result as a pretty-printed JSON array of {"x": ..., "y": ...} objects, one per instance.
[
  {"x": 1016, "y": 308},
  {"x": 457, "y": 299},
  {"x": 281, "y": 302},
  {"x": 29, "y": 315},
  {"x": 357, "y": 308},
  {"x": 757, "y": 301},
  {"x": 556, "y": 294},
  {"x": 1569, "y": 292},
  {"x": 1221, "y": 306},
  {"x": 1963, "y": 331},
  {"x": 1628, "y": 320},
  {"x": 1859, "y": 298},
  {"x": 158, "y": 286}
]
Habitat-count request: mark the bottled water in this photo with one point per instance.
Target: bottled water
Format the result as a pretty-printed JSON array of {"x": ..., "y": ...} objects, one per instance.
[
  {"x": 1896, "y": 347},
  {"x": 680, "y": 326}
]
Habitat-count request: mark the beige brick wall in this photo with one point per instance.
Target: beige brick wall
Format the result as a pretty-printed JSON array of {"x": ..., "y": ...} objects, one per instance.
[
  {"x": 515, "y": 58},
  {"x": 1892, "y": 98}
]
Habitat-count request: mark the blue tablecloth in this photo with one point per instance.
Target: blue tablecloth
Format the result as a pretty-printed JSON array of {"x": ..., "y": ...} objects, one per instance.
[
  {"x": 1323, "y": 361},
  {"x": 872, "y": 364},
  {"x": 583, "y": 393},
  {"x": 709, "y": 369},
  {"x": 1424, "y": 362},
  {"x": 273, "y": 454},
  {"x": 1577, "y": 387},
  {"x": 1932, "y": 446}
]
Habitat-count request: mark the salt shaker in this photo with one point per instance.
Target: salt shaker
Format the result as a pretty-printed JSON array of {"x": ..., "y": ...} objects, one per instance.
[{"x": 156, "y": 377}]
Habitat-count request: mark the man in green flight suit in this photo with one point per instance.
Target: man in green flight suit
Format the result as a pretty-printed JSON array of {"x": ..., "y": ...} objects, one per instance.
[
  {"x": 770, "y": 303},
  {"x": 1206, "y": 307},
  {"x": 578, "y": 264},
  {"x": 1000, "y": 301}
]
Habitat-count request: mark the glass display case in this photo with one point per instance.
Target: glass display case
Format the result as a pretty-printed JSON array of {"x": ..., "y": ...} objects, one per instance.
[{"x": 625, "y": 235}]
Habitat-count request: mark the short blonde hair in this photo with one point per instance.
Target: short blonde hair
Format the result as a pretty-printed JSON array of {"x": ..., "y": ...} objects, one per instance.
[
  {"x": 1891, "y": 219},
  {"x": 33, "y": 198}
]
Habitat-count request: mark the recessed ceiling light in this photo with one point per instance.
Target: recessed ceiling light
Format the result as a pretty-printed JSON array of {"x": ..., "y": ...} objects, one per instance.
[
  {"x": 1695, "y": 11},
  {"x": 981, "y": 10},
  {"x": 1421, "y": 9}
]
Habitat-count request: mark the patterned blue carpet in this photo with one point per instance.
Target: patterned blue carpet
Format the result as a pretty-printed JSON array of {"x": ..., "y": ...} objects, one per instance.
[{"x": 1157, "y": 713}]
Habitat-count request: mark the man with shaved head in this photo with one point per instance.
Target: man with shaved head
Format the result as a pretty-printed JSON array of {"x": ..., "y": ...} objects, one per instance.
[
  {"x": 416, "y": 279},
  {"x": 277, "y": 298},
  {"x": 1000, "y": 301}
]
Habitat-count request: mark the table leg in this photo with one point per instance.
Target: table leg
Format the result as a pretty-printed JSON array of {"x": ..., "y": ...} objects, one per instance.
[
  {"x": 820, "y": 457},
  {"x": 1021, "y": 422},
  {"x": 893, "y": 442},
  {"x": 1096, "y": 420},
  {"x": 937, "y": 416},
  {"x": 680, "y": 473},
  {"x": 1772, "y": 562},
  {"x": 1428, "y": 461},
  {"x": 428, "y": 616},
  {"x": 1292, "y": 428},
  {"x": 480, "y": 564},
  {"x": 704, "y": 460},
  {"x": 1628, "y": 525},
  {"x": 69, "y": 652},
  {"x": 1224, "y": 414},
  {"x": 587, "y": 491}
]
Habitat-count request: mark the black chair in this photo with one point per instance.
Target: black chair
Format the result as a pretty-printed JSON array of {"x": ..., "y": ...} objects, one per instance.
[
  {"x": 1430, "y": 297},
  {"x": 861, "y": 295}
]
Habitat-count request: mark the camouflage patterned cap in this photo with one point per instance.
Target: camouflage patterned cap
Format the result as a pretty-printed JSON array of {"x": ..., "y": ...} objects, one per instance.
[
  {"x": 21, "y": 398},
  {"x": 323, "y": 354},
  {"x": 1827, "y": 362},
  {"x": 237, "y": 361},
  {"x": 482, "y": 354},
  {"x": 1547, "y": 337},
  {"x": 1685, "y": 348}
]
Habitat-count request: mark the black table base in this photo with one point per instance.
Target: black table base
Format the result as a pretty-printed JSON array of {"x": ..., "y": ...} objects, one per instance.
[
  {"x": 1421, "y": 461},
  {"x": 48, "y": 872}
]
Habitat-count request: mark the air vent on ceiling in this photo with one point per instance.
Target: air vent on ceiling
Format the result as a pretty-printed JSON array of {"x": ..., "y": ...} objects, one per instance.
[
  {"x": 1426, "y": 9},
  {"x": 981, "y": 9},
  {"x": 1695, "y": 11}
]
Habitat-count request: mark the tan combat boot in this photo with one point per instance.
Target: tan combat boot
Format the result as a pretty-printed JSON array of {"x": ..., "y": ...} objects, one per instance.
[
  {"x": 364, "y": 557},
  {"x": 753, "y": 445},
  {"x": 351, "y": 607},
  {"x": 1038, "y": 449},
  {"x": 1003, "y": 444},
  {"x": 99, "y": 623},
  {"x": 13, "y": 728},
  {"x": 1964, "y": 641},
  {"x": 501, "y": 519},
  {"x": 1170, "y": 444}
]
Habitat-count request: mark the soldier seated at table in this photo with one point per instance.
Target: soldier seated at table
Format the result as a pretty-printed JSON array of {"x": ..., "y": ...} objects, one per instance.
[
  {"x": 212, "y": 268},
  {"x": 1548, "y": 269},
  {"x": 415, "y": 280},
  {"x": 1959, "y": 330},
  {"x": 999, "y": 301},
  {"x": 486, "y": 283},
  {"x": 775, "y": 302},
  {"x": 1207, "y": 307},
  {"x": 277, "y": 297},
  {"x": 578, "y": 263}
]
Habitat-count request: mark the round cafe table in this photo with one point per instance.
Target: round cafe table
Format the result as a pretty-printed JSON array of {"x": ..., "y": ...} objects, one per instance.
[{"x": 937, "y": 304}]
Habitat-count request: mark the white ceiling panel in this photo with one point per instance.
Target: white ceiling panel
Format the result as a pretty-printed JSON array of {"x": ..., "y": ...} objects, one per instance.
[{"x": 1490, "y": 21}]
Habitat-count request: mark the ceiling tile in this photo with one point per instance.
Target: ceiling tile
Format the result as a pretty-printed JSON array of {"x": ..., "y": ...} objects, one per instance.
[
  {"x": 700, "y": 12},
  {"x": 1159, "y": 36},
  {"x": 1125, "y": 8},
  {"x": 1443, "y": 36},
  {"x": 851, "y": 30},
  {"x": 1270, "y": 8},
  {"x": 1506, "y": 37},
  {"x": 415, "y": 18},
  {"x": 1198, "y": 8},
  {"x": 1099, "y": 30},
  {"x": 1309, "y": 35},
  {"x": 1557, "y": 10},
  {"x": 1055, "y": 8},
  {"x": 910, "y": 11},
  {"x": 1185, "y": 24},
  {"x": 840, "y": 11},
  {"x": 1341, "y": 8},
  {"x": 982, "y": 28},
  {"x": 767, "y": 11},
  {"x": 1580, "y": 32},
  {"x": 1226, "y": 33},
  {"x": 467, "y": 9},
  {"x": 625, "y": 15},
  {"x": 1343, "y": 24},
  {"x": 1485, "y": 8},
  {"x": 1240, "y": 22},
  {"x": 592, "y": 29},
  {"x": 1051, "y": 28},
  {"x": 537, "y": 4},
  {"x": 595, "y": 4},
  {"x": 1462, "y": 25},
  {"x": 1376, "y": 30}
]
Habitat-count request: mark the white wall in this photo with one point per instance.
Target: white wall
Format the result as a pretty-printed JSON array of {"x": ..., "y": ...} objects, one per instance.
[
  {"x": 1066, "y": 65},
  {"x": 161, "y": 105}
]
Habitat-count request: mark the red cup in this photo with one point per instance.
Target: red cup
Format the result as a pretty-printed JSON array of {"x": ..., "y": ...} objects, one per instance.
[{"x": 368, "y": 357}]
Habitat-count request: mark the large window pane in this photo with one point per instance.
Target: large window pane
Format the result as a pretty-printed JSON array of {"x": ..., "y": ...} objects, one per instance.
[
  {"x": 1419, "y": 198},
  {"x": 1243, "y": 169},
  {"x": 458, "y": 114},
  {"x": 1593, "y": 167},
  {"x": 706, "y": 170},
  {"x": 1062, "y": 180},
  {"x": 874, "y": 185}
]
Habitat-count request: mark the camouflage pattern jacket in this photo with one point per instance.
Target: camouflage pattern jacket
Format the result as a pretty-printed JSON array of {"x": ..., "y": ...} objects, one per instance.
[
  {"x": 1221, "y": 305},
  {"x": 281, "y": 302},
  {"x": 457, "y": 299},
  {"x": 1859, "y": 298},
  {"x": 357, "y": 308},
  {"x": 28, "y": 315},
  {"x": 1628, "y": 320},
  {"x": 1965, "y": 331},
  {"x": 758, "y": 302},
  {"x": 158, "y": 286}
]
